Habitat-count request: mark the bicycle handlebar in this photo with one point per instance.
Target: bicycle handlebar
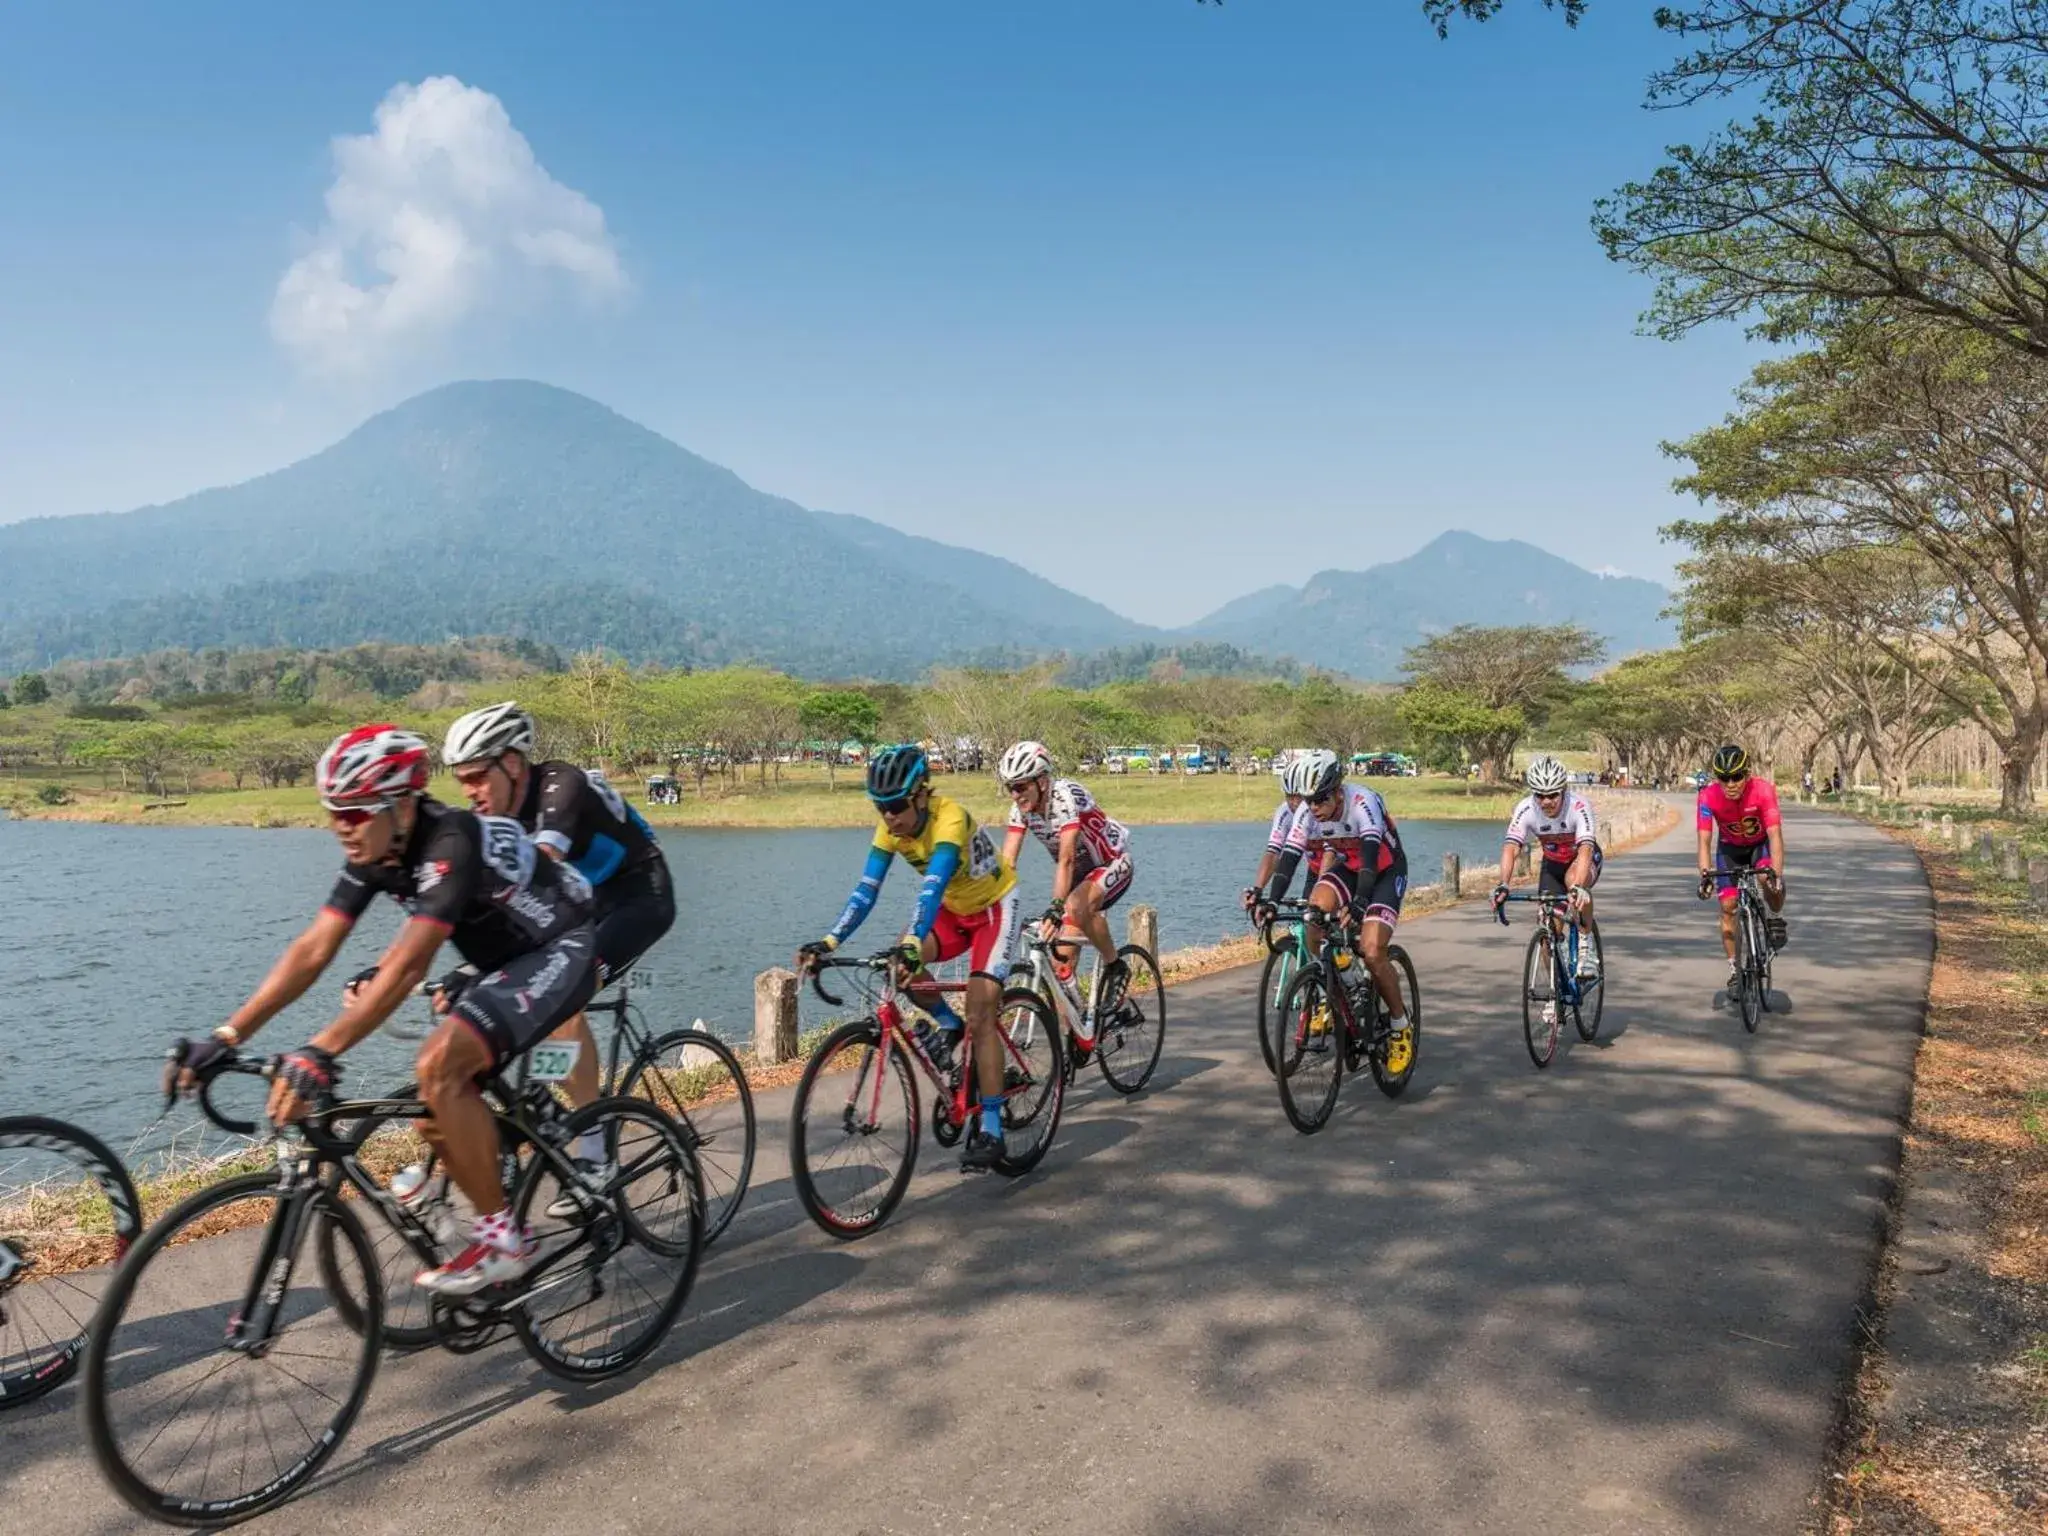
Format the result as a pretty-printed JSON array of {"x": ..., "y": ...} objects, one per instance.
[
  {"x": 824, "y": 963},
  {"x": 232, "y": 1062},
  {"x": 1542, "y": 898}
]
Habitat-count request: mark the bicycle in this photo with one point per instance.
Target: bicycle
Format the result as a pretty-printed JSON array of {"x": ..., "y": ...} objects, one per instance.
[
  {"x": 849, "y": 1197},
  {"x": 1118, "y": 1044},
  {"x": 631, "y": 1243},
  {"x": 1287, "y": 952},
  {"x": 1752, "y": 947},
  {"x": 1551, "y": 983},
  {"x": 68, "y": 1212},
  {"x": 1328, "y": 996}
]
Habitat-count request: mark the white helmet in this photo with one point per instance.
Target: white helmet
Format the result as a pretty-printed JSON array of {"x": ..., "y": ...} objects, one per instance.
[
  {"x": 489, "y": 732},
  {"x": 1313, "y": 774},
  {"x": 1546, "y": 776},
  {"x": 1026, "y": 760},
  {"x": 369, "y": 767}
]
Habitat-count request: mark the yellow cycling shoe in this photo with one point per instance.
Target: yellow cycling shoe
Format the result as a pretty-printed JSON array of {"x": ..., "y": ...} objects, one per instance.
[{"x": 1400, "y": 1050}]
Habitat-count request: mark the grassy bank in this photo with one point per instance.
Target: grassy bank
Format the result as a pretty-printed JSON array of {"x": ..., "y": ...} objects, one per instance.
[{"x": 804, "y": 798}]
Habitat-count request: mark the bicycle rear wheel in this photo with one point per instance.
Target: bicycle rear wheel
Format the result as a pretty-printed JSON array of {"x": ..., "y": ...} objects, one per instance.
[
  {"x": 1540, "y": 996},
  {"x": 1127, "y": 1044},
  {"x": 1394, "y": 1084},
  {"x": 693, "y": 1077},
  {"x": 68, "y": 1213},
  {"x": 1274, "y": 979},
  {"x": 1751, "y": 987},
  {"x": 853, "y": 1130},
  {"x": 1592, "y": 994},
  {"x": 1034, "y": 1080},
  {"x": 1310, "y": 1054},
  {"x": 190, "y": 1429},
  {"x": 612, "y": 1276}
]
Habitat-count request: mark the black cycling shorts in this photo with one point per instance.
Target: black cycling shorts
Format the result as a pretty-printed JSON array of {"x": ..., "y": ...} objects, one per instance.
[
  {"x": 1550, "y": 881},
  {"x": 1374, "y": 895},
  {"x": 633, "y": 911},
  {"x": 519, "y": 1005}
]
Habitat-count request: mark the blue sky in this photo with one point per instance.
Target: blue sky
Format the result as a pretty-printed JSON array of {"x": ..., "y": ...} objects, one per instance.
[{"x": 1164, "y": 301}]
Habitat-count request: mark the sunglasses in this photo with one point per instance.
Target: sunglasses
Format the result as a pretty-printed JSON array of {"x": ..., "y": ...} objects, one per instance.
[
  {"x": 355, "y": 816},
  {"x": 1550, "y": 794},
  {"x": 893, "y": 807}
]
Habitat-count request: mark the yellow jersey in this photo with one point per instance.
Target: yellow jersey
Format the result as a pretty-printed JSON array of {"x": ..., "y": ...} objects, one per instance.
[{"x": 984, "y": 876}]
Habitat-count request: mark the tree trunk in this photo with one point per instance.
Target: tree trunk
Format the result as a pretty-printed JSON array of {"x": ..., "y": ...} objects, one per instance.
[{"x": 2016, "y": 767}]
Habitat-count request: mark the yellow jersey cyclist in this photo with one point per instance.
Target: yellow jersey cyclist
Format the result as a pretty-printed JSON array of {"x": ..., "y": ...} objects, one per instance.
[
  {"x": 1562, "y": 825},
  {"x": 1091, "y": 855},
  {"x": 966, "y": 905}
]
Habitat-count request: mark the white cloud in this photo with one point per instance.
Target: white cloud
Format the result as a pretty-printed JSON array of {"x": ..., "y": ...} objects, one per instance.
[
  {"x": 441, "y": 212},
  {"x": 1608, "y": 570}
]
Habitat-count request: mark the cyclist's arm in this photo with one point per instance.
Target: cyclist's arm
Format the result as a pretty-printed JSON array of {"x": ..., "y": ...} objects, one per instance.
[
  {"x": 403, "y": 967},
  {"x": 1582, "y": 865},
  {"x": 1510, "y": 850},
  {"x": 945, "y": 862},
  {"x": 1266, "y": 862},
  {"x": 862, "y": 901},
  {"x": 1778, "y": 849},
  {"x": 1013, "y": 844},
  {"x": 1063, "y": 866},
  {"x": 296, "y": 969},
  {"x": 1706, "y": 847}
]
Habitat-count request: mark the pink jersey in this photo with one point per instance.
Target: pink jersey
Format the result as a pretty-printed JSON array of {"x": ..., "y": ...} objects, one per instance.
[{"x": 1746, "y": 819}]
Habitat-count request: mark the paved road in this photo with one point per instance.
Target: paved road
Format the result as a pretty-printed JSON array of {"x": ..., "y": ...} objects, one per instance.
[{"x": 1616, "y": 1296}]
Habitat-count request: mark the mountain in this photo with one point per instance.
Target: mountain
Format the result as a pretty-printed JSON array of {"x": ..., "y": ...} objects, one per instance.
[
  {"x": 1361, "y": 621},
  {"x": 518, "y": 509}
]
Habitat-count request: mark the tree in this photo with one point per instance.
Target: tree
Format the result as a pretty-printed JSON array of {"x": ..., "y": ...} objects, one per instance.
[
  {"x": 1457, "y": 728},
  {"x": 1510, "y": 678},
  {"x": 839, "y": 715},
  {"x": 30, "y": 688},
  {"x": 1894, "y": 160},
  {"x": 1441, "y": 13}
]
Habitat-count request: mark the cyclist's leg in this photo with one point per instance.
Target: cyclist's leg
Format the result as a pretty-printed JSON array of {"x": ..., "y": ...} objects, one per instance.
[
  {"x": 1379, "y": 912},
  {"x": 1088, "y": 904},
  {"x": 991, "y": 941},
  {"x": 1726, "y": 861},
  {"x": 631, "y": 920},
  {"x": 1551, "y": 881}
]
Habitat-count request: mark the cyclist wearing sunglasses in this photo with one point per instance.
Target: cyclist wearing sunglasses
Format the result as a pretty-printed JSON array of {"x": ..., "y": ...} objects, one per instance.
[
  {"x": 966, "y": 905},
  {"x": 1290, "y": 810},
  {"x": 1562, "y": 825},
  {"x": 524, "y": 923},
  {"x": 1739, "y": 828}
]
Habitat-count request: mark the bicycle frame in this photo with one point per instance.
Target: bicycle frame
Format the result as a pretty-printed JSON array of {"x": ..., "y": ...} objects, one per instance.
[
  {"x": 1064, "y": 997},
  {"x": 1549, "y": 908}
]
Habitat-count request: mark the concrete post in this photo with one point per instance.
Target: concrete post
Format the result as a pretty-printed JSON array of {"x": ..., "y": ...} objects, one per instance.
[
  {"x": 1142, "y": 929},
  {"x": 775, "y": 1032},
  {"x": 1453, "y": 873},
  {"x": 1948, "y": 830},
  {"x": 2009, "y": 859},
  {"x": 1986, "y": 845},
  {"x": 2037, "y": 881},
  {"x": 1927, "y": 823}
]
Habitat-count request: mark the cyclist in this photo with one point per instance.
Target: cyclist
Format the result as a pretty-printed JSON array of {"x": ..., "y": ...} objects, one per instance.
[
  {"x": 967, "y": 904},
  {"x": 573, "y": 815},
  {"x": 1091, "y": 857},
  {"x": 1562, "y": 823},
  {"x": 524, "y": 923},
  {"x": 1740, "y": 829},
  {"x": 1290, "y": 810},
  {"x": 1360, "y": 875}
]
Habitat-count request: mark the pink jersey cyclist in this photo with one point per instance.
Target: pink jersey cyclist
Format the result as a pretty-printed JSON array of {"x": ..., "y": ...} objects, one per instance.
[{"x": 1742, "y": 825}]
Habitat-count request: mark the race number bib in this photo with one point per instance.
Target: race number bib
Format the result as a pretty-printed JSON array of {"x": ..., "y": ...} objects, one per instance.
[
  {"x": 552, "y": 1060},
  {"x": 982, "y": 858},
  {"x": 507, "y": 851}
]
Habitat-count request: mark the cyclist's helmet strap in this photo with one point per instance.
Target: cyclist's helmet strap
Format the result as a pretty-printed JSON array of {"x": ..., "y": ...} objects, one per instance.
[
  {"x": 895, "y": 771},
  {"x": 1731, "y": 762}
]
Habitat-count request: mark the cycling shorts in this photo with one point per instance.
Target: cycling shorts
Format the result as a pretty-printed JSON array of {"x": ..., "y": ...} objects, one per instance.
[
  {"x": 1730, "y": 857},
  {"x": 519, "y": 1005},
  {"x": 1111, "y": 880},
  {"x": 1550, "y": 880},
  {"x": 634, "y": 910},
  {"x": 1374, "y": 895},
  {"x": 988, "y": 937}
]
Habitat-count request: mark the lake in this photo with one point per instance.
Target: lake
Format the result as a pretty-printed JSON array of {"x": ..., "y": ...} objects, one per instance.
[{"x": 114, "y": 940}]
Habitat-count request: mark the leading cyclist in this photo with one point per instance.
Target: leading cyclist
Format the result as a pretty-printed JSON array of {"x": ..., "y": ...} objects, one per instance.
[
  {"x": 1739, "y": 828},
  {"x": 966, "y": 905},
  {"x": 524, "y": 922}
]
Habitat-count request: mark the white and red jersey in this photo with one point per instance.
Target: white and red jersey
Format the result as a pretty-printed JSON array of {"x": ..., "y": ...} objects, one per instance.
[
  {"x": 1070, "y": 807},
  {"x": 1562, "y": 835},
  {"x": 1284, "y": 820},
  {"x": 1361, "y": 820}
]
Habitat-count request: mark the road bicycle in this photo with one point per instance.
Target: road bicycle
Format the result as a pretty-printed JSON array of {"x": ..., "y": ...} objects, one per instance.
[
  {"x": 1332, "y": 1019},
  {"x": 68, "y": 1212},
  {"x": 238, "y": 1339},
  {"x": 1752, "y": 948},
  {"x": 1551, "y": 984},
  {"x": 851, "y": 1154},
  {"x": 1125, "y": 1045},
  {"x": 1287, "y": 953}
]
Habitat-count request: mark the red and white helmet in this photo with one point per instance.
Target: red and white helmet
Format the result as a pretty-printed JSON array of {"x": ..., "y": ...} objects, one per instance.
[{"x": 370, "y": 767}]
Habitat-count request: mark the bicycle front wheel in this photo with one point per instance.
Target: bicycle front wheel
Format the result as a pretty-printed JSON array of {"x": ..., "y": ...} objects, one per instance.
[
  {"x": 1751, "y": 985},
  {"x": 1034, "y": 1080},
  {"x": 1127, "y": 1044},
  {"x": 1310, "y": 1053},
  {"x": 1394, "y": 1084},
  {"x": 68, "y": 1213},
  {"x": 693, "y": 1077},
  {"x": 1274, "y": 980},
  {"x": 1593, "y": 993},
  {"x": 853, "y": 1130},
  {"x": 198, "y": 1415},
  {"x": 1540, "y": 1000}
]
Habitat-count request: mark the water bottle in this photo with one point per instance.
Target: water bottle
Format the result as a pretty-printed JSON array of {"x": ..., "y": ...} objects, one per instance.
[{"x": 928, "y": 1039}]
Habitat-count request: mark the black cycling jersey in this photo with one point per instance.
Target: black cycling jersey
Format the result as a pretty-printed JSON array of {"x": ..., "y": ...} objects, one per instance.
[
  {"x": 576, "y": 812},
  {"x": 477, "y": 876}
]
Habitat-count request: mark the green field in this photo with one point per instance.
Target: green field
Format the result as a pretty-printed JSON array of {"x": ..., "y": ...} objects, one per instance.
[{"x": 802, "y": 799}]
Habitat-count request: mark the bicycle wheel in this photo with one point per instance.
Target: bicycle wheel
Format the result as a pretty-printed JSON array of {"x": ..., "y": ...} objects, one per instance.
[
  {"x": 853, "y": 1130},
  {"x": 382, "y": 1148},
  {"x": 190, "y": 1428},
  {"x": 1751, "y": 1000},
  {"x": 1127, "y": 1045},
  {"x": 1760, "y": 946},
  {"x": 1274, "y": 979},
  {"x": 612, "y": 1276},
  {"x": 1540, "y": 995},
  {"x": 1034, "y": 1080},
  {"x": 1310, "y": 1054},
  {"x": 1592, "y": 994},
  {"x": 68, "y": 1213},
  {"x": 1394, "y": 1084},
  {"x": 693, "y": 1077}
]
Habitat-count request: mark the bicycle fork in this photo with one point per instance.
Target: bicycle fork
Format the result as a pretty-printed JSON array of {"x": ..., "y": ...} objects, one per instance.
[{"x": 254, "y": 1326}]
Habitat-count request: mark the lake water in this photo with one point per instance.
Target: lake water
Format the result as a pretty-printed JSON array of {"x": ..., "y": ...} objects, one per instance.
[{"x": 115, "y": 940}]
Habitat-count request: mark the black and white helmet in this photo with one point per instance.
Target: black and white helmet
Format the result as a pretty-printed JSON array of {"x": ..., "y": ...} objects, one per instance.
[
  {"x": 488, "y": 733},
  {"x": 1026, "y": 760},
  {"x": 1546, "y": 776},
  {"x": 1313, "y": 774}
]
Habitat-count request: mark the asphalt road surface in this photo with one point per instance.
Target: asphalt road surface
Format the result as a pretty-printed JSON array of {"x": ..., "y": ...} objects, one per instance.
[{"x": 1614, "y": 1296}]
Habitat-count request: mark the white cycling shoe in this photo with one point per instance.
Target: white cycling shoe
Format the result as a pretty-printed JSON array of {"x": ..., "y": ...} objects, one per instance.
[
  {"x": 595, "y": 1177},
  {"x": 481, "y": 1265}
]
